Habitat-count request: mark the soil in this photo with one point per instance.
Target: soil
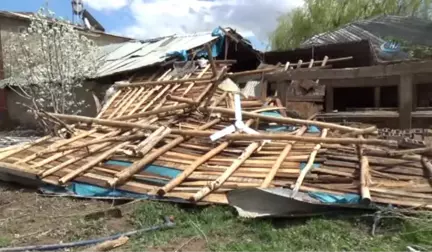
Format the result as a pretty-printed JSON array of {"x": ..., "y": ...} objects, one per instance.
[
  {"x": 29, "y": 218},
  {"x": 183, "y": 245}
]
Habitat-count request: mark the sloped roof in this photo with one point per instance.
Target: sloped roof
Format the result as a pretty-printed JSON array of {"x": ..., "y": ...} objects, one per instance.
[
  {"x": 407, "y": 28},
  {"x": 138, "y": 54}
]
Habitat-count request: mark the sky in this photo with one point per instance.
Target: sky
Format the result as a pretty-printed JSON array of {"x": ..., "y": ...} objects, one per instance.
[{"x": 143, "y": 19}]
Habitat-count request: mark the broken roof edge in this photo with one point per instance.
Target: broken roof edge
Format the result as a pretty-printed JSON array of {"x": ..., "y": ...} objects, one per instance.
[{"x": 168, "y": 50}]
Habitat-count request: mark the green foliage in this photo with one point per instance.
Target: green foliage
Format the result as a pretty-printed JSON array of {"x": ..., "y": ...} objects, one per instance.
[
  {"x": 4, "y": 242},
  {"x": 222, "y": 230},
  {"x": 318, "y": 16}
]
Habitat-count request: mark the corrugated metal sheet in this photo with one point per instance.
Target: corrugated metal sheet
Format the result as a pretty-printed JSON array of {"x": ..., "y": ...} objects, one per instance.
[
  {"x": 134, "y": 55},
  {"x": 407, "y": 28}
]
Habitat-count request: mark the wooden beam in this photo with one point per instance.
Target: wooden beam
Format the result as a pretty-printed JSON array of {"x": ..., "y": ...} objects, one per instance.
[
  {"x": 405, "y": 101},
  {"x": 352, "y": 73}
]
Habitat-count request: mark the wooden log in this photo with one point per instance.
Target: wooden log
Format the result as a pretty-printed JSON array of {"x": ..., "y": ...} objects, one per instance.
[
  {"x": 364, "y": 175},
  {"x": 207, "y": 133},
  {"x": 94, "y": 161},
  {"x": 218, "y": 182},
  {"x": 121, "y": 177},
  {"x": 281, "y": 159},
  {"x": 287, "y": 120},
  {"x": 187, "y": 172},
  {"x": 109, "y": 245},
  {"x": 150, "y": 142},
  {"x": 154, "y": 112},
  {"x": 309, "y": 165},
  {"x": 211, "y": 60},
  {"x": 181, "y": 99}
]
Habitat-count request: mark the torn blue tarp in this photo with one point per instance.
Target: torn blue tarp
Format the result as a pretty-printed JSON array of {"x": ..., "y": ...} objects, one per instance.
[
  {"x": 347, "y": 198},
  {"x": 182, "y": 54},
  {"x": 163, "y": 171},
  {"x": 216, "y": 48},
  {"x": 278, "y": 128},
  {"x": 332, "y": 198},
  {"x": 87, "y": 190}
]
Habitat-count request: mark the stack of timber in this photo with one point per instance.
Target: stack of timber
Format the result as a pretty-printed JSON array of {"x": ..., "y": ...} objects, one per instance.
[{"x": 166, "y": 121}]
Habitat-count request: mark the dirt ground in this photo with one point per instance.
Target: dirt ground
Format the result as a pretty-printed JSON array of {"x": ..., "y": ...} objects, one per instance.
[{"x": 29, "y": 218}]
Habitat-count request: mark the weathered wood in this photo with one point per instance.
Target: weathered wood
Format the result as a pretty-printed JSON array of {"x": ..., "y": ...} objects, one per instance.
[
  {"x": 123, "y": 176},
  {"x": 291, "y": 120},
  {"x": 364, "y": 175},
  {"x": 154, "y": 112},
  {"x": 309, "y": 165},
  {"x": 52, "y": 170},
  {"x": 109, "y": 245},
  {"x": 351, "y": 73},
  {"x": 377, "y": 97},
  {"x": 218, "y": 182},
  {"x": 20, "y": 148},
  {"x": 281, "y": 159},
  {"x": 94, "y": 161},
  {"x": 55, "y": 147},
  {"x": 329, "y": 98},
  {"x": 262, "y": 136},
  {"x": 187, "y": 172},
  {"x": 405, "y": 101},
  {"x": 150, "y": 142},
  {"x": 181, "y": 99}
]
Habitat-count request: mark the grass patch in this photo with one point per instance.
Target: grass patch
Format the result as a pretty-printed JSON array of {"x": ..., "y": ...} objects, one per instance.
[
  {"x": 4, "y": 242},
  {"x": 225, "y": 231}
]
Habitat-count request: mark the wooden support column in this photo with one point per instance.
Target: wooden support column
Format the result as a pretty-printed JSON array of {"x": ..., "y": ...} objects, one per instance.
[
  {"x": 281, "y": 92},
  {"x": 405, "y": 101},
  {"x": 329, "y": 98},
  {"x": 377, "y": 97},
  {"x": 263, "y": 90}
]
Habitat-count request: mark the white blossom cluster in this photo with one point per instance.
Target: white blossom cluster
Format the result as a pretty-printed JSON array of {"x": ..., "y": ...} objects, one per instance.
[{"x": 49, "y": 61}]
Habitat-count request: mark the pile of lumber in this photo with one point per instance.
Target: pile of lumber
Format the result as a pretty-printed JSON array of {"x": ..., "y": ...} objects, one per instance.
[{"x": 161, "y": 127}]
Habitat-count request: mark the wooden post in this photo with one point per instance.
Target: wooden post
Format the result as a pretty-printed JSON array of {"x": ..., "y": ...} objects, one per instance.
[
  {"x": 329, "y": 98},
  {"x": 263, "y": 90},
  {"x": 281, "y": 92},
  {"x": 309, "y": 165},
  {"x": 377, "y": 97},
  {"x": 405, "y": 101}
]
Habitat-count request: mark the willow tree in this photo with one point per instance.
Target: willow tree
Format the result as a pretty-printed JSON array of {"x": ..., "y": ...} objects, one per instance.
[{"x": 318, "y": 16}]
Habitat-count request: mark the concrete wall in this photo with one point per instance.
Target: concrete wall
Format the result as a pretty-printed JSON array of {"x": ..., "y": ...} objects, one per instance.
[{"x": 18, "y": 114}]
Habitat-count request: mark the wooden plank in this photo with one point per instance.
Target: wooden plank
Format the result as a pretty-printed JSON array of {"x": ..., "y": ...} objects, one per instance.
[
  {"x": 352, "y": 73},
  {"x": 405, "y": 101}
]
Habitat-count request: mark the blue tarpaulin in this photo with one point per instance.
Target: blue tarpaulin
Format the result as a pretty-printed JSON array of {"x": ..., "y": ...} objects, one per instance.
[
  {"x": 278, "y": 128},
  {"x": 332, "y": 198},
  {"x": 87, "y": 190},
  {"x": 216, "y": 47}
]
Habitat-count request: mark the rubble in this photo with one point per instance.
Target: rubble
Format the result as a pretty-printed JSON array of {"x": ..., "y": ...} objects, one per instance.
[{"x": 152, "y": 138}]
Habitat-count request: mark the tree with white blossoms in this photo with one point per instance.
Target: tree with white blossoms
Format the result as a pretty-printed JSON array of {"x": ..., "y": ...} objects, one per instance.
[{"x": 48, "y": 61}]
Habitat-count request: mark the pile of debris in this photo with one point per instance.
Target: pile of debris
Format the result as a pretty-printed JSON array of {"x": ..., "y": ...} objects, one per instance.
[{"x": 182, "y": 136}]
